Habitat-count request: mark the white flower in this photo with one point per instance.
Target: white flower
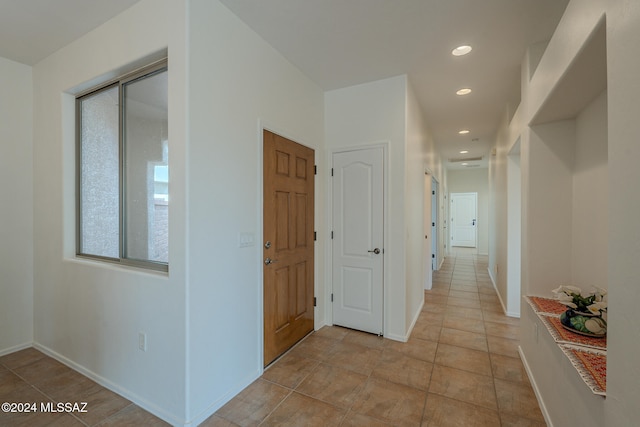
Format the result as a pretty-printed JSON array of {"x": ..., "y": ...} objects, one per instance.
[
  {"x": 596, "y": 307},
  {"x": 567, "y": 290}
]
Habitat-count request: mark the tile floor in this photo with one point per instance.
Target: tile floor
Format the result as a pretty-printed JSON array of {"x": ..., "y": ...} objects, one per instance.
[
  {"x": 31, "y": 376},
  {"x": 459, "y": 368}
]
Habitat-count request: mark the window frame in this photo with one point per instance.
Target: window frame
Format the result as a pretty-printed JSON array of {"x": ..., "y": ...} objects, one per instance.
[{"x": 120, "y": 81}]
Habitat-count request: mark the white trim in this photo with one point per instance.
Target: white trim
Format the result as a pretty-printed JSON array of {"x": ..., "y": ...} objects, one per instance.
[
  {"x": 384, "y": 144},
  {"x": 495, "y": 288},
  {"x": 534, "y": 386}
]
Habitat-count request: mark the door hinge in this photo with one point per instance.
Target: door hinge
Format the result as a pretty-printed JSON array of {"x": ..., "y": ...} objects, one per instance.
[
  {"x": 433, "y": 224},
  {"x": 315, "y": 169},
  {"x": 331, "y": 297},
  {"x": 332, "y": 234},
  {"x": 433, "y": 192},
  {"x": 433, "y": 255},
  {"x": 315, "y": 236},
  {"x": 315, "y": 302},
  {"x": 331, "y": 171}
]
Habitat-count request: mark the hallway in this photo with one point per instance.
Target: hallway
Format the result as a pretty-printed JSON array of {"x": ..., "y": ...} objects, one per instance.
[{"x": 459, "y": 368}]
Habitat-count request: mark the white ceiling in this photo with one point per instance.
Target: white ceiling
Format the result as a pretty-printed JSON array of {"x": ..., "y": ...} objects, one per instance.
[
  {"x": 339, "y": 43},
  {"x": 31, "y": 30}
]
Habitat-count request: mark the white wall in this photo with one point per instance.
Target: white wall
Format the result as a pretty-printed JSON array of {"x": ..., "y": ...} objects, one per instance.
[
  {"x": 89, "y": 314},
  {"x": 558, "y": 387},
  {"x": 590, "y": 232},
  {"x": 474, "y": 181},
  {"x": 238, "y": 83},
  {"x": 373, "y": 113},
  {"x": 421, "y": 155},
  {"x": 623, "y": 370},
  {"x": 387, "y": 111},
  {"x": 16, "y": 215}
]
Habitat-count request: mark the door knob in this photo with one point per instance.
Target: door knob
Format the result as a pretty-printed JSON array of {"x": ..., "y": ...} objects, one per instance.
[
  {"x": 375, "y": 251},
  {"x": 268, "y": 261}
]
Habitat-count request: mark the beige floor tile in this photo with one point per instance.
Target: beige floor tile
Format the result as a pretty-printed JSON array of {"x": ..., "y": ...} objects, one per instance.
[
  {"x": 333, "y": 332},
  {"x": 462, "y": 302},
  {"x": 509, "y": 420},
  {"x": 441, "y": 411},
  {"x": 8, "y": 383},
  {"x": 465, "y": 295},
  {"x": 433, "y": 318},
  {"x": 298, "y": 410},
  {"x": 503, "y": 346},
  {"x": 41, "y": 370},
  {"x": 517, "y": 399},
  {"x": 401, "y": 369},
  {"x": 508, "y": 368},
  {"x": 21, "y": 358},
  {"x": 434, "y": 308},
  {"x": 364, "y": 339},
  {"x": 290, "y": 370},
  {"x": 463, "y": 358},
  {"x": 435, "y": 299},
  {"x": 69, "y": 386},
  {"x": 333, "y": 385},
  {"x": 463, "y": 324},
  {"x": 216, "y": 421},
  {"x": 254, "y": 403},
  {"x": 353, "y": 419},
  {"x": 465, "y": 288},
  {"x": 463, "y": 339},
  {"x": 314, "y": 347},
  {"x": 502, "y": 330},
  {"x": 354, "y": 357},
  {"x": 491, "y": 316},
  {"x": 444, "y": 291},
  {"x": 465, "y": 386},
  {"x": 133, "y": 416},
  {"x": 426, "y": 330},
  {"x": 415, "y": 347},
  {"x": 469, "y": 313},
  {"x": 392, "y": 403},
  {"x": 102, "y": 404}
]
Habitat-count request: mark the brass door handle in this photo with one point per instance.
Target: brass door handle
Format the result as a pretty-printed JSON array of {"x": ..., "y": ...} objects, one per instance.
[{"x": 268, "y": 261}]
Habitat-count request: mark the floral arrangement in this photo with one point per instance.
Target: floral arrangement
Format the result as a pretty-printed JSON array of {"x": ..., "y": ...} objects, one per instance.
[{"x": 595, "y": 302}]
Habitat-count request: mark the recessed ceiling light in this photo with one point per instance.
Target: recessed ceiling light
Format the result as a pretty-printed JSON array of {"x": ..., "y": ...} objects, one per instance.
[
  {"x": 463, "y": 132},
  {"x": 464, "y": 152},
  {"x": 461, "y": 50},
  {"x": 464, "y": 91},
  {"x": 464, "y": 164}
]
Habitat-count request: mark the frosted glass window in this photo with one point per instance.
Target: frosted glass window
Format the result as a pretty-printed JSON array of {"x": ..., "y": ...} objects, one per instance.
[
  {"x": 123, "y": 170},
  {"x": 146, "y": 170},
  {"x": 99, "y": 171}
]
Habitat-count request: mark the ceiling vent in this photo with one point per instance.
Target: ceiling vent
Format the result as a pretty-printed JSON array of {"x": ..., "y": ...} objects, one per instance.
[{"x": 468, "y": 159}]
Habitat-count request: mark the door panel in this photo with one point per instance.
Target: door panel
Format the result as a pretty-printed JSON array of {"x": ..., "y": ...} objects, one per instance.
[
  {"x": 358, "y": 230},
  {"x": 288, "y": 227},
  {"x": 463, "y": 219}
]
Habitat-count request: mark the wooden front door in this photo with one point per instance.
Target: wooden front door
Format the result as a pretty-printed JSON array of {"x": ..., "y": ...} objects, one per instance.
[{"x": 288, "y": 243}]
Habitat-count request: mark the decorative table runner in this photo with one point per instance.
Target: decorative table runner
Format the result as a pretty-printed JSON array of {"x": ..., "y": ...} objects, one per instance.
[
  {"x": 563, "y": 336},
  {"x": 546, "y": 306},
  {"x": 587, "y": 354},
  {"x": 591, "y": 364}
]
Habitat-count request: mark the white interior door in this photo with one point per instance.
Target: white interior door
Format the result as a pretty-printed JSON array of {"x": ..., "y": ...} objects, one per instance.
[
  {"x": 358, "y": 247},
  {"x": 464, "y": 207}
]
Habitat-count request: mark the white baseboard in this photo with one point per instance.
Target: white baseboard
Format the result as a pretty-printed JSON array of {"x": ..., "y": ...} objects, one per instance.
[
  {"x": 127, "y": 394},
  {"x": 543, "y": 407}
]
